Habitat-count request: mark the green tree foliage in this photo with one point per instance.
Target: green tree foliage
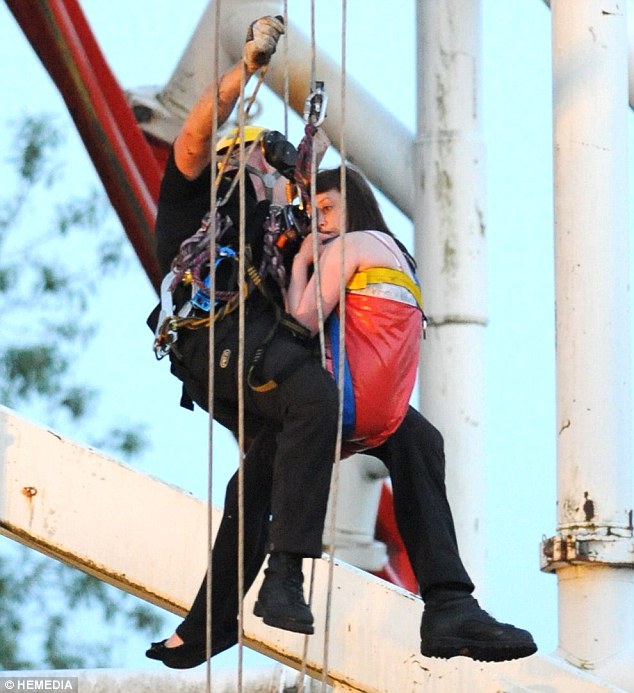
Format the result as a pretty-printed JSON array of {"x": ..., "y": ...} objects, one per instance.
[{"x": 45, "y": 293}]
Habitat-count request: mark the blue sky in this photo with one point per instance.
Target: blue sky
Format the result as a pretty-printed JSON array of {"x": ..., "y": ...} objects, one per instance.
[{"x": 143, "y": 41}]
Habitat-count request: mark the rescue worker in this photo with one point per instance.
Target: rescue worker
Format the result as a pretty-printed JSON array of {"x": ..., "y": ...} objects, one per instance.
[
  {"x": 453, "y": 623},
  {"x": 296, "y": 426}
]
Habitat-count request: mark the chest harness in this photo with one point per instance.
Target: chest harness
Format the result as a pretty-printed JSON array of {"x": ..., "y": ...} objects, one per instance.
[
  {"x": 284, "y": 229},
  {"x": 191, "y": 270}
]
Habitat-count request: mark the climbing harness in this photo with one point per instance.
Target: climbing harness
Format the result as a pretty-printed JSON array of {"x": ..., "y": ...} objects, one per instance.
[{"x": 285, "y": 228}]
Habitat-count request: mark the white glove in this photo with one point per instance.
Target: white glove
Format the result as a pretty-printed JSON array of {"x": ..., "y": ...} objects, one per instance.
[{"x": 262, "y": 38}]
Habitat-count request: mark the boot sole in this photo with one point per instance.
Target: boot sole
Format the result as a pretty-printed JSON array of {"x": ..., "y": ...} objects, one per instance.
[
  {"x": 480, "y": 652},
  {"x": 284, "y": 624}
]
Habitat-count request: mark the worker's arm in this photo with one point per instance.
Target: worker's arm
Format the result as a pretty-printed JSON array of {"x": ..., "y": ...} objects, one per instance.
[{"x": 192, "y": 147}]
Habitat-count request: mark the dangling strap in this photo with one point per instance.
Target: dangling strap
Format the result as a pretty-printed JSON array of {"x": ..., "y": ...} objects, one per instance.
[
  {"x": 314, "y": 139},
  {"x": 288, "y": 322},
  {"x": 349, "y": 405}
]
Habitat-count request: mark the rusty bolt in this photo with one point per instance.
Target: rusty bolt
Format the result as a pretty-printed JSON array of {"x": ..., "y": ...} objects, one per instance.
[{"x": 29, "y": 491}]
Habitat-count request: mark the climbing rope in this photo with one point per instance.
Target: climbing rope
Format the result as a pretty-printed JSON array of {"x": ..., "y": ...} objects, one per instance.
[
  {"x": 342, "y": 356},
  {"x": 194, "y": 256},
  {"x": 206, "y": 239},
  {"x": 212, "y": 355},
  {"x": 243, "y": 112}
]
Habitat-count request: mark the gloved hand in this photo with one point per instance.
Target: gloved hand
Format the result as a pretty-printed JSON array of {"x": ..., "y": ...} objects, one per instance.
[{"x": 262, "y": 38}]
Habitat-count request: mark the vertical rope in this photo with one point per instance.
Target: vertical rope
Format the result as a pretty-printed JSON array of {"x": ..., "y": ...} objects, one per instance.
[
  {"x": 211, "y": 380},
  {"x": 320, "y": 316},
  {"x": 342, "y": 347},
  {"x": 286, "y": 76},
  {"x": 241, "y": 383},
  {"x": 320, "y": 313},
  {"x": 313, "y": 184}
]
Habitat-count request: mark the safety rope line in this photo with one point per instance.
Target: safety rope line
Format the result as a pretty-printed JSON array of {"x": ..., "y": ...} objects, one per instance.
[
  {"x": 239, "y": 179},
  {"x": 342, "y": 349},
  {"x": 319, "y": 301},
  {"x": 242, "y": 117},
  {"x": 243, "y": 109},
  {"x": 285, "y": 62},
  {"x": 311, "y": 579},
  {"x": 313, "y": 229},
  {"x": 211, "y": 370}
]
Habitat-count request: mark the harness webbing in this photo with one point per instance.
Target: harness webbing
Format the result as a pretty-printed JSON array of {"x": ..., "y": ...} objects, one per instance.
[{"x": 387, "y": 275}]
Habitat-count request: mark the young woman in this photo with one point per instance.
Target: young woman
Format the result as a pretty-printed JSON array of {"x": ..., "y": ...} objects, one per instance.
[{"x": 383, "y": 306}]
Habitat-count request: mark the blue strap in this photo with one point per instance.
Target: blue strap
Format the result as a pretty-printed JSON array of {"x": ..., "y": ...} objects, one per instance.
[
  {"x": 348, "y": 391},
  {"x": 201, "y": 297}
]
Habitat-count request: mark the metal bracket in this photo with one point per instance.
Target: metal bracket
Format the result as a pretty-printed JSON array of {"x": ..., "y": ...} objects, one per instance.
[{"x": 608, "y": 546}]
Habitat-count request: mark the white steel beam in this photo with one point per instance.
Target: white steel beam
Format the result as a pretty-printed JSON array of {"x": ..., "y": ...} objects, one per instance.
[
  {"x": 594, "y": 550},
  {"x": 166, "y": 108},
  {"x": 450, "y": 249},
  {"x": 116, "y": 523},
  {"x": 629, "y": 6}
]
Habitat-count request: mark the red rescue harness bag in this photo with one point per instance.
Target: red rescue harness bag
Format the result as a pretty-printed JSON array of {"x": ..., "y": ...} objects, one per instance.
[{"x": 382, "y": 347}]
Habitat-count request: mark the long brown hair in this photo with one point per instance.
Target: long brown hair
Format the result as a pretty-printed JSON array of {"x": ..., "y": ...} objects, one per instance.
[{"x": 362, "y": 208}]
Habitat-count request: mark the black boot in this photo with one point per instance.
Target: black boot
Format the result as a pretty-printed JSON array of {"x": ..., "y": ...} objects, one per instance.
[
  {"x": 281, "y": 601},
  {"x": 454, "y": 625}
]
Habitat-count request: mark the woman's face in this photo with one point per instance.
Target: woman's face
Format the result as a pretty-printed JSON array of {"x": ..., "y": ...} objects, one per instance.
[{"x": 329, "y": 211}]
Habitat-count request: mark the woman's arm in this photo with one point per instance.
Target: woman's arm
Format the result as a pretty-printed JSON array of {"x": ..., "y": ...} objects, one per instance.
[{"x": 301, "y": 299}]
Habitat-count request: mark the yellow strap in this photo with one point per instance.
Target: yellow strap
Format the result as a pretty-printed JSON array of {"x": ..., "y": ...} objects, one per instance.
[
  {"x": 385, "y": 275},
  {"x": 265, "y": 387}
]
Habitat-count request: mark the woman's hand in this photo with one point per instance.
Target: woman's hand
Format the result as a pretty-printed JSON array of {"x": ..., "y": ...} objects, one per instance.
[{"x": 305, "y": 254}]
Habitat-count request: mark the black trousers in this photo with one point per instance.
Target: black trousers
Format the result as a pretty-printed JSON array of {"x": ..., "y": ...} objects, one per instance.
[
  {"x": 294, "y": 425},
  {"x": 414, "y": 456}
]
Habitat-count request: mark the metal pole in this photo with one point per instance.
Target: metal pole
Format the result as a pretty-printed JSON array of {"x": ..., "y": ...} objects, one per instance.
[
  {"x": 593, "y": 552},
  {"x": 450, "y": 248},
  {"x": 630, "y": 33}
]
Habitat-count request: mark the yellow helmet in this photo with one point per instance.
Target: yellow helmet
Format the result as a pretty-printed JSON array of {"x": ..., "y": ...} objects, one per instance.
[{"x": 250, "y": 134}]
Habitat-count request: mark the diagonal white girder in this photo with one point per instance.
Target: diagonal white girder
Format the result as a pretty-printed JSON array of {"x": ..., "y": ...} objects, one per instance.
[{"x": 116, "y": 523}]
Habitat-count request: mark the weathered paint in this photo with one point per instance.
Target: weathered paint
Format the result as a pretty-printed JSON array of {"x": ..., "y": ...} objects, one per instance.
[
  {"x": 116, "y": 523},
  {"x": 449, "y": 221},
  {"x": 593, "y": 551}
]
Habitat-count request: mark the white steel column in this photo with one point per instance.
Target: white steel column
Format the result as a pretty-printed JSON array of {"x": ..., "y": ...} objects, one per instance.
[
  {"x": 594, "y": 552},
  {"x": 450, "y": 249}
]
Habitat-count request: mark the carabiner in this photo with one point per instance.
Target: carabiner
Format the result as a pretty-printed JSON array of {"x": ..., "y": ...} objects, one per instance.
[{"x": 315, "y": 105}]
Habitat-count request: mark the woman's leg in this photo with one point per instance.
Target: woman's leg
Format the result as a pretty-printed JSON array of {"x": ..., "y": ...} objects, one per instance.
[
  {"x": 258, "y": 471},
  {"x": 414, "y": 455},
  {"x": 453, "y": 622}
]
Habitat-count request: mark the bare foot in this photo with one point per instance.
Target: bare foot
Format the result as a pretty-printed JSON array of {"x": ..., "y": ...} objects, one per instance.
[{"x": 174, "y": 640}]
